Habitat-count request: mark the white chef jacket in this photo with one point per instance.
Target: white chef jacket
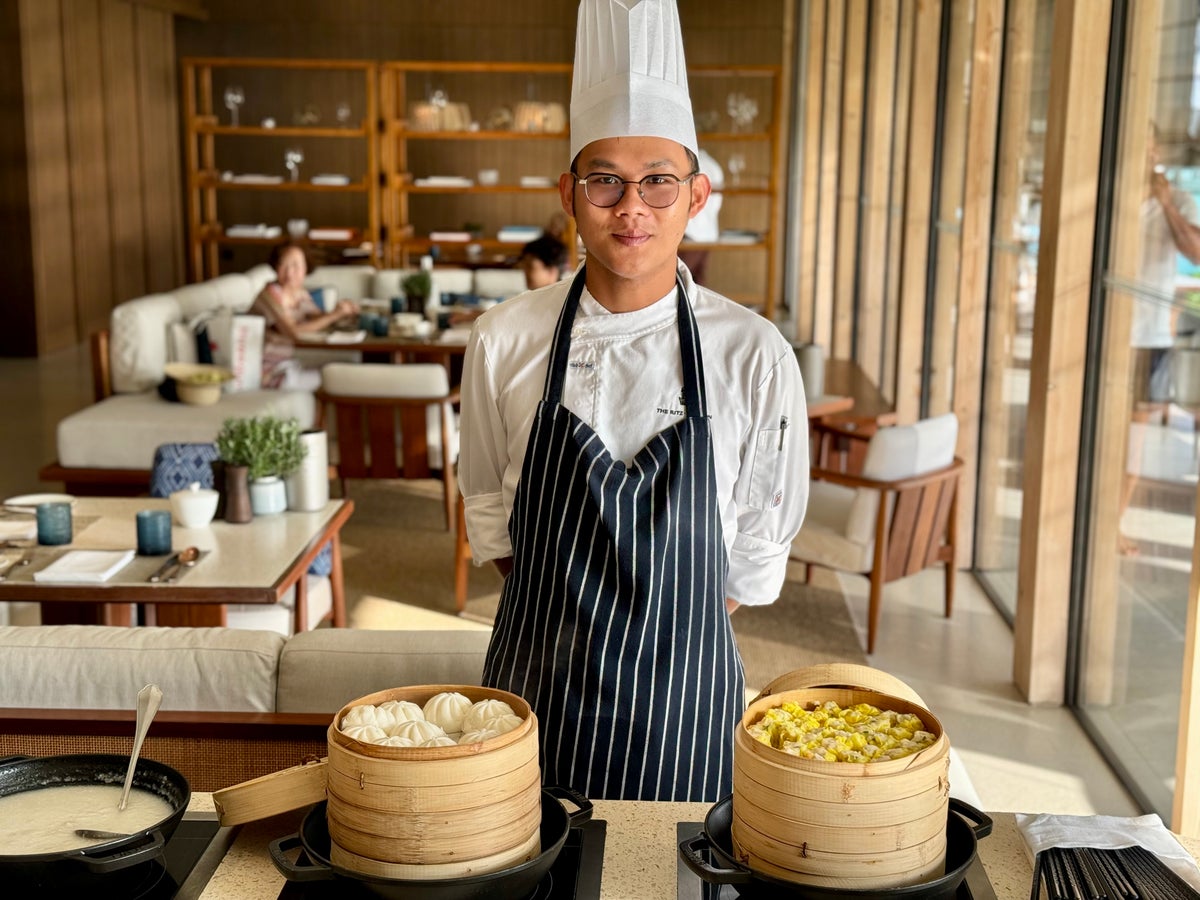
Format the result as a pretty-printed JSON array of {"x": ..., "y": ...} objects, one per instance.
[
  {"x": 625, "y": 379},
  {"x": 1151, "y": 326}
]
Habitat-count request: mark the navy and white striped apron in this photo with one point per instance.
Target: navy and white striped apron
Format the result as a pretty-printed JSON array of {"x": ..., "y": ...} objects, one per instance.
[{"x": 612, "y": 623}]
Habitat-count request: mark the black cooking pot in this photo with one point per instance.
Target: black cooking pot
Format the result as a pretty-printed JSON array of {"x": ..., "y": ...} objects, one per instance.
[
  {"x": 517, "y": 881},
  {"x": 110, "y": 865},
  {"x": 965, "y": 825}
]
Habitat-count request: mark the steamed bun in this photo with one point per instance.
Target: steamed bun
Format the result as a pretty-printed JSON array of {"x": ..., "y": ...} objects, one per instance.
[
  {"x": 502, "y": 724},
  {"x": 447, "y": 710},
  {"x": 365, "y": 714},
  {"x": 478, "y": 715},
  {"x": 417, "y": 732},
  {"x": 477, "y": 737},
  {"x": 368, "y": 734},
  {"x": 439, "y": 740},
  {"x": 402, "y": 711}
]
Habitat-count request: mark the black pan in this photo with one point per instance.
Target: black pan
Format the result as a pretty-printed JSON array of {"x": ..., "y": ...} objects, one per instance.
[
  {"x": 965, "y": 825},
  {"x": 108, "y": 865},
  {"x": 517, "y": 881}
]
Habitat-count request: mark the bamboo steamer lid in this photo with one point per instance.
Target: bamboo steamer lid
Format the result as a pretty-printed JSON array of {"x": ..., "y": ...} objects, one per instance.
[
  {"x": 862, "y": 825},
  {"x": 434, "y": 806}
]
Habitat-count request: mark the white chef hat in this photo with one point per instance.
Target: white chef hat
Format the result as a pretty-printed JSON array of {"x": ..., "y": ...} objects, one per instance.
[{"x": 630, "y": 75}]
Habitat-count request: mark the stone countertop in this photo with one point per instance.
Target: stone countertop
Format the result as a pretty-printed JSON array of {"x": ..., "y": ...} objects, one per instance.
[{"x": 640, "y": 851}]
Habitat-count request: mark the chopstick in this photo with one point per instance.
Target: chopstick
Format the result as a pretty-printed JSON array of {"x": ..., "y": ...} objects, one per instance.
[{"x": 1087, "y": 873}]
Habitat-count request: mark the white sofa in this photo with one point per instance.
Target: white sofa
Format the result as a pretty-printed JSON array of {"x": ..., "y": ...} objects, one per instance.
[{"x": 109, "y": 446}]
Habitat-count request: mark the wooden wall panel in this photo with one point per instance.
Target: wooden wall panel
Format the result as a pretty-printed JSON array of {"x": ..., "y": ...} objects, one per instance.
[
  {"x": 19, "y": 335},
  {"x": 896, "y": 247},
  {"x": 90, "y": 217},
  {"x": 810, "y": 194},
  {"x": 872, "y": 245},
  {"x": 831, "y": 147},
  {"x": 123, "y": 149},
  {"x": 51, "y": 232},
  {"x": 853, "y": 85},
  {"x": 162, "y": 192},
  {"x": 918, "y": 214},
  {"x": 971, "y": 319}
]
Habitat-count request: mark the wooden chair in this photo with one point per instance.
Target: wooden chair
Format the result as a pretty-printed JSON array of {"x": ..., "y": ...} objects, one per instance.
[
  {"x": 393, "y": 421},
  {"x": 913, "y": 471}
]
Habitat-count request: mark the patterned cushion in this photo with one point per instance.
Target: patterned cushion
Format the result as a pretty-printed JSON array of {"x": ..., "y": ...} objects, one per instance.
[{"x": 178, "y": 465}]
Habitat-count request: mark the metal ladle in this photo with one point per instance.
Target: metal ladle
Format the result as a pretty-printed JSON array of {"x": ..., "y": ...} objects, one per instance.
[{"x": 148, "y": 699}]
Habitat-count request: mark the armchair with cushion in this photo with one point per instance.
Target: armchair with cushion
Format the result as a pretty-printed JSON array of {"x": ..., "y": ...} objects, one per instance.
[
  {"x": 912, "y": 469},
  {"x": 393, "y": 421}
]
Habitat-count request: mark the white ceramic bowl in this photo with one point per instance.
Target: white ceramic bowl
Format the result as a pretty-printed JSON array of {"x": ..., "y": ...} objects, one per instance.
[{"x": 194, "y": 507}]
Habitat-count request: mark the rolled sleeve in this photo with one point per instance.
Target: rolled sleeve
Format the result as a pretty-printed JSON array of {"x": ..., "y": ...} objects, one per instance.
[
  {"x": 772, "y": 487},
  {"x": 483, "y": 457}
]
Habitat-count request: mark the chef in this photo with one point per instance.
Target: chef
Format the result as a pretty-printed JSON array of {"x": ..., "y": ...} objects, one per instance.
[{"x": 634, "y": 449}]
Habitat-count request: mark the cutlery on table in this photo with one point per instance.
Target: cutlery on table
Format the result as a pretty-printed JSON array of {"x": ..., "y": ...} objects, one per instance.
[
  {"x": 162, "y": 570},
  {"x": 186, "y": 558}
]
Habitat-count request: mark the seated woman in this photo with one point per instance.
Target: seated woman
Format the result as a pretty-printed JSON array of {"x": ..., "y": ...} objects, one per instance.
[{"x": 290, "y": 312}]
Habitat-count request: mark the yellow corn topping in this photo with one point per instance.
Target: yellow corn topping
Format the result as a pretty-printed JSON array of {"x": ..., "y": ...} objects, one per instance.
[{"x": 859, "y": 734}]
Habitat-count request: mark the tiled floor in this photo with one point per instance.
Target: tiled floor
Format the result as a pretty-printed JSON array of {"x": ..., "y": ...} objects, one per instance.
[{"x": 1019, "y": 757}]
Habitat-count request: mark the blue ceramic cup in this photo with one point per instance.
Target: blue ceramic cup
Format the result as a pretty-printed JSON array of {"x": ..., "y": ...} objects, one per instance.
[
  {"x": 153, "y": 532},
  {"x": 54, "y": 523}
]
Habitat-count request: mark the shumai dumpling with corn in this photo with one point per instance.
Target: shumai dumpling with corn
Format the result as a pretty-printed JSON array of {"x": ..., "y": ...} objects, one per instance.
[{"x": 859, "y": 734}]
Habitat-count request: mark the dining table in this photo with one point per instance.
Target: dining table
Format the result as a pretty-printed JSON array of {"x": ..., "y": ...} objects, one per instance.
[{"x": 252, "y": 562}]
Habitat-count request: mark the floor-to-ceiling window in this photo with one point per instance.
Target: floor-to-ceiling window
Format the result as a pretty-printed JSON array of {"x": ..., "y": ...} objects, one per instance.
[
  {"x": 1016, "y": 219},
  {"x": 1145, "y": 445}
]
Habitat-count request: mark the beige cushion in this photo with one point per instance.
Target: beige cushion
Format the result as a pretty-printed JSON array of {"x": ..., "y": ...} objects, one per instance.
[
  {"x": 350, "y": 282},
  {"x": 386, "y": 380},
  {"x": 823, "y": 538},
  {"x": 322, "y": 670},
  {"x": 121, "y": 432},
  {"x": 499, "y": 282},
  {"x": 900, "y": 452},
  {"x": 137, "y": 334},
  {"x": 98, "y": 667}
]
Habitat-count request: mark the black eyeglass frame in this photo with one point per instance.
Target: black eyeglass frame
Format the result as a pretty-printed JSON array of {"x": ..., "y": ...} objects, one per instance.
[{"x": 679, "y": 182}]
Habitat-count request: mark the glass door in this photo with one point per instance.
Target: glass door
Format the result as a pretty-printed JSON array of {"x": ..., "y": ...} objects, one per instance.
[
  {"x": 1015, "y": 229},
  {"x": 1145, "y": 449}
]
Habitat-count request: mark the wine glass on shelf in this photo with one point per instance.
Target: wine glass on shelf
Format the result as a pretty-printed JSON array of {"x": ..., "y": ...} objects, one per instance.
[
  {"x": 234, "y": 98},
  {"x": 743, "y": 110},
  {"x": 292, "y": 157},
  {"x": 342, "y": 113},
  {"x": 737, "y": 165}
]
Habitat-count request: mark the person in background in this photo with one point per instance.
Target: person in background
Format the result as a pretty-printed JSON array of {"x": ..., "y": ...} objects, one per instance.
[
  {"x": 544, "y": 261},
  {"x": 290, "y": 312},
  {"x": 634, "y": 453},
  {"x": 704, "y": 227},
  {"x": 1168, "y": 228}
]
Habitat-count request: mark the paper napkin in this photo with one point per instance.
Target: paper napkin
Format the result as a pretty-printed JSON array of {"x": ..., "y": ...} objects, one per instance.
[
  {"x": 18, "y": 530},
  {"x": 85, "y": 566},
  {"x": 1108, "y": 833}
]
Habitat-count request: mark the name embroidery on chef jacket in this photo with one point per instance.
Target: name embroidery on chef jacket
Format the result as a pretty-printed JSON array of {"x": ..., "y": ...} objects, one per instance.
[{"x": 679, "y": 409}]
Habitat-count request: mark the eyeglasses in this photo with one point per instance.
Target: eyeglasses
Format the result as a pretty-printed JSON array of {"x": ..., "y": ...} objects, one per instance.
[{"x": 606, "y": 191}]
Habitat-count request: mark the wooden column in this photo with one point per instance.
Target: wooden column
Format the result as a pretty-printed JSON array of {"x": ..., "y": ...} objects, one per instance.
[
  {"x": 1185, "y": 817},
  {"x": 918, "y": 212},
  {"x": 872, "y": 244},
  {"x": 849, "y": 178},
  {"x": 827, "y": 214},
  {"x": 1074, "y": 125},
  {"x": 810, "y": 179}
]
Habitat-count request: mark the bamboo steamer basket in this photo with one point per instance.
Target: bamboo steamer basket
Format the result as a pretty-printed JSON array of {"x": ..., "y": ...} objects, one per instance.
[
  {"x": 832, "y": 824},
  {"x": 435, "y": 812}
]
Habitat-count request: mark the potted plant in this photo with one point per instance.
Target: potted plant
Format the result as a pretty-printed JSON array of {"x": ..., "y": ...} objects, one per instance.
[
  {"x": 417, "y": 288},
  {"x": 270, "y": 449}
]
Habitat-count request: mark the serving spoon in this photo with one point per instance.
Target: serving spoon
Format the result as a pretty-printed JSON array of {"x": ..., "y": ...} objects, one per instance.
[{"x": 148, "y": 699}]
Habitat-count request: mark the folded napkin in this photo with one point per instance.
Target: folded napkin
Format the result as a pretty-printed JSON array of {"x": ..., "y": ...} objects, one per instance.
[
  {"x": 18, "y": 529},
  {"x": 345, "y": 337},
  {"x": 85, "y": 566},
  {"x": 1108, "y": 833}
]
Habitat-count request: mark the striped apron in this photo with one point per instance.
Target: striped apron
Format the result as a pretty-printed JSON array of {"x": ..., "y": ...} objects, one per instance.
[{"x": 612, "y": 623}]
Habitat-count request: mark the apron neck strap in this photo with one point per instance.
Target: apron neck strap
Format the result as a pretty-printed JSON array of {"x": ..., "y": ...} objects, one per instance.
[{"x": 695, "y": 398}]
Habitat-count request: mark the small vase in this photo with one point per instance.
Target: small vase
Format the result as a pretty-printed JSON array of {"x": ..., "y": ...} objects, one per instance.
[
  {"x": 237, "y": 494},
  {"x": 308, "y": 486},
  {"x": 268, "y": 496}
]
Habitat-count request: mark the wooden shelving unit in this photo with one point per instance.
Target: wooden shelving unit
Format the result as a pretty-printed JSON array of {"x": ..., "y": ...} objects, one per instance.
[
  {"x": 400, "y": 212},
  {"x": 203, "y": 127}
]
